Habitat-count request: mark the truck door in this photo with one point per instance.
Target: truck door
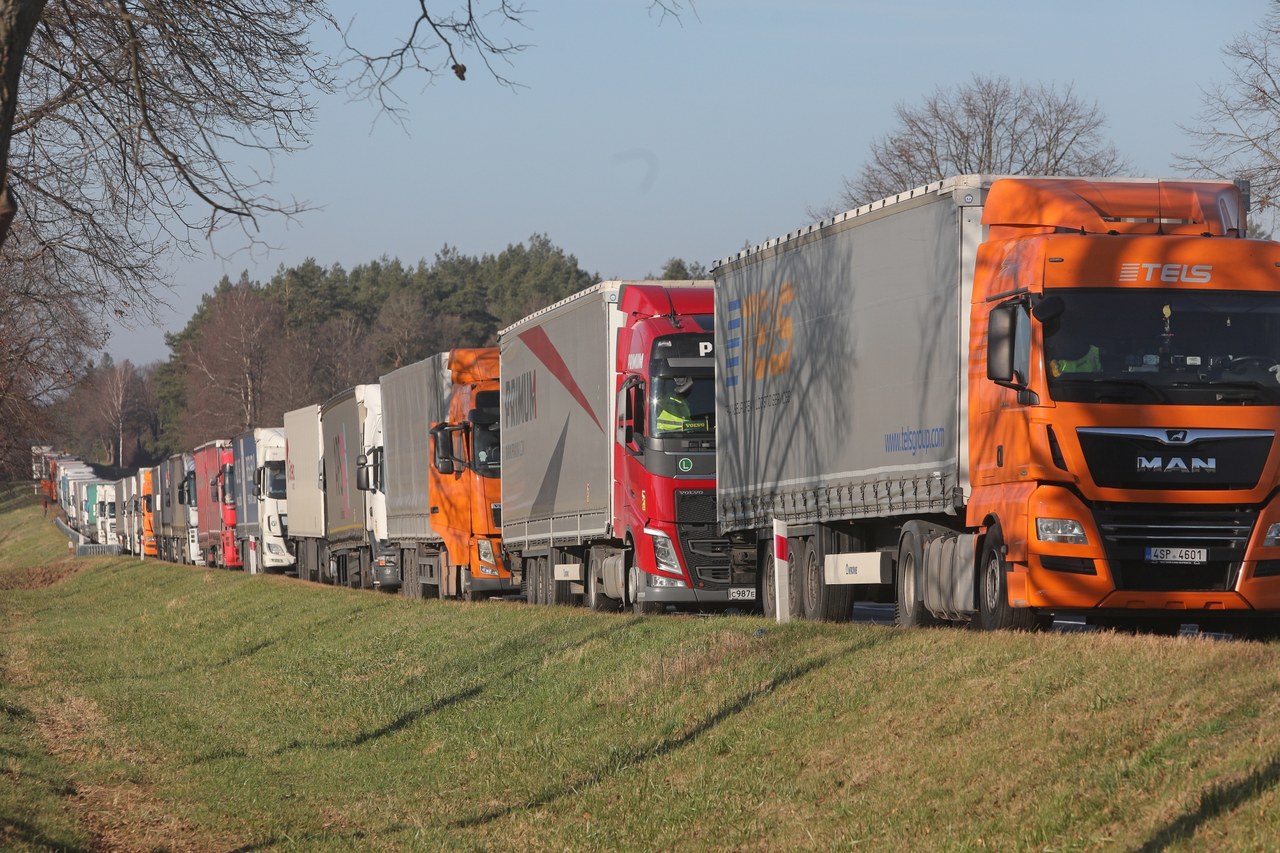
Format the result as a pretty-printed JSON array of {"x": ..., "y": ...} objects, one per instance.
[{"x": 630, "y": 476}]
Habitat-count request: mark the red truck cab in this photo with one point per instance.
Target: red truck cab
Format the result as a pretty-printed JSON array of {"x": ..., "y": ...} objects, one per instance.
[
  {"x": 665, "y": 461},
  {"x": 215, "y": 504}
]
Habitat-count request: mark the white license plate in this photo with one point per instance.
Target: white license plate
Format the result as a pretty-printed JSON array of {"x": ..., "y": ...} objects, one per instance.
[
  {"x": 742, "y": 593},
  {"x": 1192, "y": 556}
]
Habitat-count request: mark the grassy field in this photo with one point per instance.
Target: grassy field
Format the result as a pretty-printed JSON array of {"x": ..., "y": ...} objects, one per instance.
[{"x": 146, "y": 706}]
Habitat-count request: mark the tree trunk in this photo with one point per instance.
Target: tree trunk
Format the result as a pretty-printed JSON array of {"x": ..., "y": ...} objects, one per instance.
[{"x": 18, "y": 19}]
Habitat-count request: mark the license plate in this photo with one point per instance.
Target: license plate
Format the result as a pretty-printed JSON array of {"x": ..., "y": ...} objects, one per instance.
[
  {"x": 742, "y": 593},
  {"x": 1191, "y": 556}
]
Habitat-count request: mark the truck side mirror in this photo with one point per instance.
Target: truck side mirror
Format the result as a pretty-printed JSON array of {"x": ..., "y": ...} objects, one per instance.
[
  {"x": 362, "y": 473},
  {"x": 443, "y": 459},
  {"x": 627, "y": 409},
  {"x": 1009, "y": 350},
  {"x": 258, "y": 476},
  {"x": 1001, "y": 325}
]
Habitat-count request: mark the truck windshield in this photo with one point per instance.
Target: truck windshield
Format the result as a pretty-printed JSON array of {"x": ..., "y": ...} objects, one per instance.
[
  {"x": 682, "y": 405},
  {"x": 485, "y": 437},
  {"x": 1164, "y": 347},
  {"x": 485, "y": 441},
  {"x": 275, "y": 480}
]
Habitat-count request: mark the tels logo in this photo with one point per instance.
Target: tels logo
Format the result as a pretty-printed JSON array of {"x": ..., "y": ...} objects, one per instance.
[
  {"x": 759, "y": 328},
  {"x": 1167, "y": 273}
]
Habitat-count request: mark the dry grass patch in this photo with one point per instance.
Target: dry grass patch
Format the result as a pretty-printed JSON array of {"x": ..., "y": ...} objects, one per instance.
[{"x": 114, "y": 801}]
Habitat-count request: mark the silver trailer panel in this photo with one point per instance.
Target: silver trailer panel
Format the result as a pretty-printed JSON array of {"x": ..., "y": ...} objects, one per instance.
[
  {"x": 558, "y": 403},
  {"x": 413, "y": 399},
  {"x": 244, "y": 450},
  {"x": 304, "y": 473},
  {"x": 342, "y": 421},
  {"x": 841, "y": 388}
]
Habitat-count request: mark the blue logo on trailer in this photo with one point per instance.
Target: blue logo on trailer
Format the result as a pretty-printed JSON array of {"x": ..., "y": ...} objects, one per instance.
[{"x": 733, "y": 346}]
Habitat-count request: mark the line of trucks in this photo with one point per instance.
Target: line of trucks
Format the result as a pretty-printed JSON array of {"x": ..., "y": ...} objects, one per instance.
[{"x": 989, "y": 400}]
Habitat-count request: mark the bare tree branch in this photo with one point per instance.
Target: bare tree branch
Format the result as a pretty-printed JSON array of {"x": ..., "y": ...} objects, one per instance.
[
  {"x": 1237, "y": 134},
  {"x": 987, "y": 126}
]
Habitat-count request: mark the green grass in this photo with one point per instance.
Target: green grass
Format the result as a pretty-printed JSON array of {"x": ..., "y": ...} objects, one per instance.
[{"x": 149, "y": 706}]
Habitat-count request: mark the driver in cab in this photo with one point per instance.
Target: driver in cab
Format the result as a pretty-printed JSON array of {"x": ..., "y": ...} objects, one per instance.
[{"x": 673, "y": 407}]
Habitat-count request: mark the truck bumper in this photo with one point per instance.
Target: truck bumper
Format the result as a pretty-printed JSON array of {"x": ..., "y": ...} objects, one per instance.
[
  {"x": 684, "y": 597},
  {"x": 493, "y": 586},
  {"x": 1118, "y": 575}
]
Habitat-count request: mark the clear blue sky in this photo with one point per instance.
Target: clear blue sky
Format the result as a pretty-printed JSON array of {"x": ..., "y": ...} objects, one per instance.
[{"x": 635, "y": 141}]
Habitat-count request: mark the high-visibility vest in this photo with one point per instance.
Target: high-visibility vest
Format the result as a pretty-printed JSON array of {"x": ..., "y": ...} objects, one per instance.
[
  {"x": 1090, "y": 362},
  {"x": 673, "y": 413}
]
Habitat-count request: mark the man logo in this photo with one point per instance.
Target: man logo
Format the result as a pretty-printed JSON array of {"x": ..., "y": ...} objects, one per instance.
[
  {"x": 1176, "y": 436},
  {"x": 1176, "y": 465}
]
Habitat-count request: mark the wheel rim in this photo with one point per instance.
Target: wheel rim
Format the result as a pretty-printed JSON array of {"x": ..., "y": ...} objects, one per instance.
[
  {"x": 633, "y": 584},
  {"x": 908, "y": 583},
  {"x": 770, "y": 593},
  {"x": 812, "y": 582},
  {"x": 992, "y": 596}
]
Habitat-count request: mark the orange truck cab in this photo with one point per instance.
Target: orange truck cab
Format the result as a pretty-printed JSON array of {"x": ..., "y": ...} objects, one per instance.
[
  {"x": 441, "y": 446},
  {"x": 1006, "y": 399},
  {"x": 465, "y": 482},
  {"x": 149, "y": 478},
  {"x": 1143, "y": 478}
]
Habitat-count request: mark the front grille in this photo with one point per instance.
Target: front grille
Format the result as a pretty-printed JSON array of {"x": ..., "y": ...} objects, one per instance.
[
  {"x": 706, "y": 555},
  {"x": 1215, "y": 460},
  {"x": 1129, "y": 532},
  {"x": 695, "y": 507}
]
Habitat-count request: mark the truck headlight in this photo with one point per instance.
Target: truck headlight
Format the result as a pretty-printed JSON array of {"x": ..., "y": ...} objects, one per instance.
[
  {"x": 1273, "y": 536},
  {"x": 664, "y": 554},
  {"x": 273, "y": 548},
  {"x": 1065, "y": 531},
  {"x": 485, "y": 548}
]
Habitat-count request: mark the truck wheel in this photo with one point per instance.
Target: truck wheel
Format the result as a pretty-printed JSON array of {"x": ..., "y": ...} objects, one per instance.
[
  {"x": 645, "y": 608},
  {"x": 537, "y": 584},
  {"x": 911, "y": 612},
  {"x": 795, "y": 583},
  {"x": 596, "y": 599},
  {"x": 464, "y": 585},
  {"x": 822, "y": 601},
  {"x": 558, "y": 592},
  {"x": 769, "y": 585},
  {"x": 409, "y": 586},
  {"x": 768, "y": 592},
  {"x": 994, "y": 612}
]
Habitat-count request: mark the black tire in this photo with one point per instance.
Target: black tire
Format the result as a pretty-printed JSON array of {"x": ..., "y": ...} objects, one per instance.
[
  {"x": 768, "y": 590},
  {"x": 994, "y": 612},
  {"x": 768, "y": 584},
  {"x": 595, "y": 599},
  {"x": 644, "y": 608},
  {"x": 909, "y": 595},
  {"x": 558, "y": 592},
  {"x": 409, "y": 586},
  {"x": 823, "y": 602},
  {"x": 465, "y": 589},
  {"x": 539, "y": 580},
  {"x": 795, "y": 586}
]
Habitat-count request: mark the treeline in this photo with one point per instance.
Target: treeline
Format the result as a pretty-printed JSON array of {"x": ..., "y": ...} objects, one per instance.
[{"x": 254, "y": 350}]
